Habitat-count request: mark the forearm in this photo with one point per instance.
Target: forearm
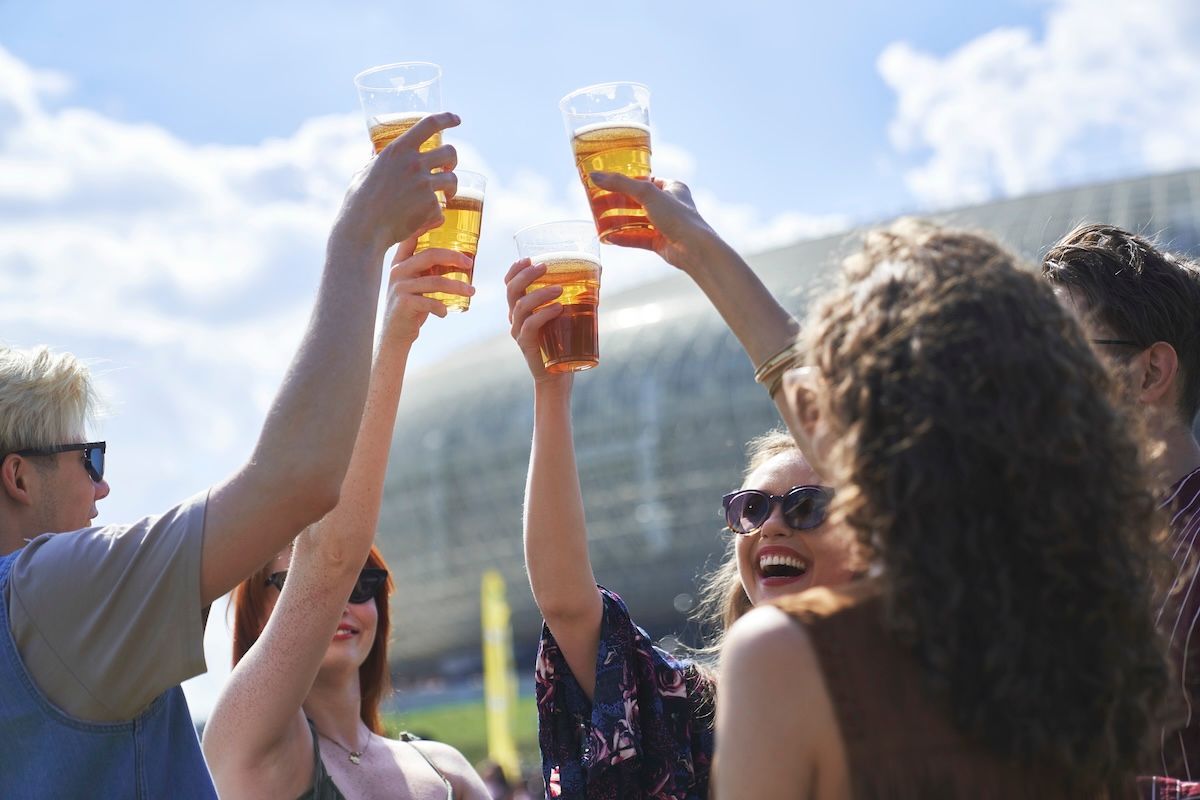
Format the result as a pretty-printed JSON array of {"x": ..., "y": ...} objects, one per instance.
[
  {"x": 756, "y": 318},
  {"x": 344, "y": 536},
  {"x": 296, "y": 471},
  {"x": 556, "y": 547}
]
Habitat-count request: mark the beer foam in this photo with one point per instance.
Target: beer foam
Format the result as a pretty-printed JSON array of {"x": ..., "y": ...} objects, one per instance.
[
  {"x": 599, "y": 126},
  {"x": 469, "y": 193},
  {"x": 564, "y": 255}
]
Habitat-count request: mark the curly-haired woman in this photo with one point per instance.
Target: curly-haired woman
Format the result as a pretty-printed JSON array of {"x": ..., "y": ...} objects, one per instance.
[{"x": 1004, "y": 645}]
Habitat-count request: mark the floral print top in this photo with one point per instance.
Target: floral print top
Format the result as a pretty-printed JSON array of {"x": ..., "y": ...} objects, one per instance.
[{"x": 647, "y": 732}]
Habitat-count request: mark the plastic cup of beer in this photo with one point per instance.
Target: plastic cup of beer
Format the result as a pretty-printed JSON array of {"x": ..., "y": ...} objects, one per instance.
[
  {"x": 460, "y": 232},
  {"x": 609, "y": 126},
  {"x": 395, "y": 96},
  {"x": 570, "y": 252}
]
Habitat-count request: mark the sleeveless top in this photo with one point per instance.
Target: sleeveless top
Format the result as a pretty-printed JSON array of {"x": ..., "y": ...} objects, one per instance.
[
  {"x": 900, "y": 742},
  {"x": 323, "y": 787},
  {"x": 48, "y": 753}
]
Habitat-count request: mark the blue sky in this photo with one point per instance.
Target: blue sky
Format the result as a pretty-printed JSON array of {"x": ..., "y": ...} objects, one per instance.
[
  {"x": 168, "y": 171},
  {"x": 785, "y": 89}
]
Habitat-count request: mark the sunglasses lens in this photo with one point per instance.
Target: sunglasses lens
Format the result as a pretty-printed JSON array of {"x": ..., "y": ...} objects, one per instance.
[
  {"x": 93, "y": 461},
  {"x": 805, "y": 508},
  {"x": 747, "y": 511},
  {"x": 367, "y": 587}
]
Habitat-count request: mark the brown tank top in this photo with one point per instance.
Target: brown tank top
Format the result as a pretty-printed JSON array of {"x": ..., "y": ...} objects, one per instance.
[{"x": 900, "y": 742}]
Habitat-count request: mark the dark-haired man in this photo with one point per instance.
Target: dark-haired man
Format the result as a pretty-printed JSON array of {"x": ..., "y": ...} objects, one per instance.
[{"x": 1141, "y": 308}]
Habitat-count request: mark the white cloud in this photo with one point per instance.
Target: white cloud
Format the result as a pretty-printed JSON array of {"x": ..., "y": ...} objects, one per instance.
[{"x": 1110, "y": 88}]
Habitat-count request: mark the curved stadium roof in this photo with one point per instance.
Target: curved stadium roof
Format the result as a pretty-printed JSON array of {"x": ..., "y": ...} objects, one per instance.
[{"x": 660, "y": 428}]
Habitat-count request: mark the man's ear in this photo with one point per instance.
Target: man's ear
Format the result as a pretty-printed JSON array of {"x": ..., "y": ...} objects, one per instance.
[
  {"x": 1155, "y": 371},
  {"x": 15, "y": 478}
]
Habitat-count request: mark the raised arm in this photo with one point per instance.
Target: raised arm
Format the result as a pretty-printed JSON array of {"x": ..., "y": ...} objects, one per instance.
[
  {"x": 257, "y": 741},
  {"x": 684, "y": 240},
  {"x": 296, "y": 470},
  {"x": 556, "y": 548}
]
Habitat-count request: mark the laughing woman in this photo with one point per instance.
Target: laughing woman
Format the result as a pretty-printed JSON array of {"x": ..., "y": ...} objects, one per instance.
[
  {"x": 619, "y": 718},
  {"x": 299, "y": 716}
]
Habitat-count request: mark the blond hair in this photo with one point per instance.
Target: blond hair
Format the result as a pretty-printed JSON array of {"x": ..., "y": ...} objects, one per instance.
[{"x": 45, "y": 398}]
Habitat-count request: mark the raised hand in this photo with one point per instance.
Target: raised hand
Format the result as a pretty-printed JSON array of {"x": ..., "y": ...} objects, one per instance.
[
  {"x": 407, "y": 307},
  {"x": 681, "y": 234},
  {"x": 528, "y": 313},
  {"x": 393, "y": 197}
]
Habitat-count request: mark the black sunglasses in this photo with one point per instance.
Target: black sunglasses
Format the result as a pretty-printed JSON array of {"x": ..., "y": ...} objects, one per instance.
[
  {"x": 370, "y": 581},
  {"x": 93, "y": 455},
  {"x": 804, "y": 508}
]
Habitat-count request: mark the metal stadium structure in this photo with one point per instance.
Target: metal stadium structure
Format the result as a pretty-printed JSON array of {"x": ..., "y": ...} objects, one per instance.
[{"x": 660, "y": 429}]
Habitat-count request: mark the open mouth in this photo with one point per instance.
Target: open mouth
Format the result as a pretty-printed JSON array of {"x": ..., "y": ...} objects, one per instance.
[
  {"x": 782, "y": 567},
  {"x": 345, "y": 632}
]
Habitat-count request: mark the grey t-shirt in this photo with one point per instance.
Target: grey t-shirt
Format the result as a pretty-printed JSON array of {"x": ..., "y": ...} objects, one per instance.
[{"x": 106, "y": 619}]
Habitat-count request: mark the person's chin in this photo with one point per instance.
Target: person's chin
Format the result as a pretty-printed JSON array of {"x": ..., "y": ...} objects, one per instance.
[{"x": 777, "y": 587}]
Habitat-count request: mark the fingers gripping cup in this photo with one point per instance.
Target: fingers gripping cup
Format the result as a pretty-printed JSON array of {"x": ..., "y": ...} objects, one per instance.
[
  {"x": 459, "y": 232},
  {"x": 609, "y": 126},
  {"x": 395, "y": 96},
  {"x": 570, "y": 252}
]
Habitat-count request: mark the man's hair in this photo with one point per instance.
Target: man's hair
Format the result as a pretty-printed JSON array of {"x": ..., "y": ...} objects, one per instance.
[
  {"x": 1138, "y": 292},
  {"x": 45, "y": 398},
  {"x": 978, "y": 459}
]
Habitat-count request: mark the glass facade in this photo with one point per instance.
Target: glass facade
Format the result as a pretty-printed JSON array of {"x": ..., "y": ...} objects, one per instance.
[{"x": 660, "y": 429}]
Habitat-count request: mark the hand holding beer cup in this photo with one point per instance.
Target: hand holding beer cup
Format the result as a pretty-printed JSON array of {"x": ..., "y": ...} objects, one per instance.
[
  {"x": 529, "y": 311},
  {"x": 680, "y": 235},
  {"x": 565, "y": 259},
  {"x": 411, "y": 283},
  {"x": 395, "y": 196}
]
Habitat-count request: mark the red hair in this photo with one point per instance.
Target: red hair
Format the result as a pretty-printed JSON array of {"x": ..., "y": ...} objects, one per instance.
[{"x": 374, "y": 678}]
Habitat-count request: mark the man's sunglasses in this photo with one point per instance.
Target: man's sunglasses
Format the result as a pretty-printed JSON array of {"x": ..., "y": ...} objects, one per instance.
[
  {"x": 370, "y": 581},
  {"x": 804, "y": 508},
  {"x": 93, "y": 456}
]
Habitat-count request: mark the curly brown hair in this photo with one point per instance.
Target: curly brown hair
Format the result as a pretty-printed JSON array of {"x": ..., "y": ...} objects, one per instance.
[{"x": 982, "y": 466}]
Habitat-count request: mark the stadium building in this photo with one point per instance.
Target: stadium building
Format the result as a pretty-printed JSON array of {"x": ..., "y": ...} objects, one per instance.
[{"x": 660, "y": 429}]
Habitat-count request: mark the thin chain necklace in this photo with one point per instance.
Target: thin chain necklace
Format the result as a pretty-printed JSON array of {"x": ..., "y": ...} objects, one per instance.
[{"x": 355, "y": 756}]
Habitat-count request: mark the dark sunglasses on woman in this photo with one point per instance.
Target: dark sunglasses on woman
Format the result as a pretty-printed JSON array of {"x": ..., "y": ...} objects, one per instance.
[
  {"x": 804, "y": 508},
  {"x": 369, "y": 582}
]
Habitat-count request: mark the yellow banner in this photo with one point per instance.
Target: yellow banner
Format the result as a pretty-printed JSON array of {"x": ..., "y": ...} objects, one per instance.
[{"x": 499, "y": 679}]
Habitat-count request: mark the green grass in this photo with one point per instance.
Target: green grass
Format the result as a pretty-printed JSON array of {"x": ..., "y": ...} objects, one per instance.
[{"x": 462, "y": 725}]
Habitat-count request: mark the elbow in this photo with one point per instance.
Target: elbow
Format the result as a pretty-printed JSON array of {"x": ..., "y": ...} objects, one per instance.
[
  {"x": 311, "y": 498},
  {"x": 572, "y": 612}
]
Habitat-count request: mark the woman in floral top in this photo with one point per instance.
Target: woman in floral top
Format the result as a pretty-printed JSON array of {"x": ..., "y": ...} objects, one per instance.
[{"x": 618, "y": 717}]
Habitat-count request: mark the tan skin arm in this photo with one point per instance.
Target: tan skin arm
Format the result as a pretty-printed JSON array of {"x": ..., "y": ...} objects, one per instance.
[
  {"x": 257, "y": 741},
  {"x": 685, "y": 241},
  {"x": 295, "y": 473},
  {"x": 556, "y": 548}
]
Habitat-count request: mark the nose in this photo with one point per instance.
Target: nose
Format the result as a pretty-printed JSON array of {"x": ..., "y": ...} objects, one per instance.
[
  {"x": 102, "y": 489},
  {"x": 774, "y": 525}
]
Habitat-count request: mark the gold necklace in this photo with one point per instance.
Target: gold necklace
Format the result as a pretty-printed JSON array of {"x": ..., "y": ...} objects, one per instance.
[{"x": 355, "y": 756}]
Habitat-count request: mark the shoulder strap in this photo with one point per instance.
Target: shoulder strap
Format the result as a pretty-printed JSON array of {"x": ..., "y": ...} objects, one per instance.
[{"x": 405, "y": 736}]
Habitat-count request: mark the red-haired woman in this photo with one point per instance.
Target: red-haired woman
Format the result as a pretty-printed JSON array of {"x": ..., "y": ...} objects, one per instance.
[{"x": 299, "y": 716}]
